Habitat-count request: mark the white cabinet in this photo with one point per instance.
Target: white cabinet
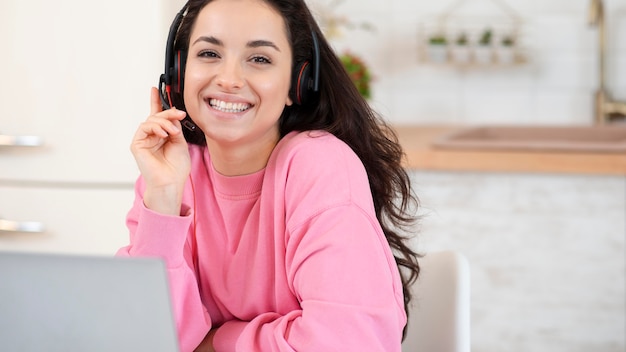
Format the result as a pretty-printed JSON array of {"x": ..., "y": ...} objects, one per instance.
[
  {"x": 77, "y": 76},
  {"x": 65, "y": 220}
]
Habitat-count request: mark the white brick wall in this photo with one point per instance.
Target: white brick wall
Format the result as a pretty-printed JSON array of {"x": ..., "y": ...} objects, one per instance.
[{"x": 546, "y": 256}]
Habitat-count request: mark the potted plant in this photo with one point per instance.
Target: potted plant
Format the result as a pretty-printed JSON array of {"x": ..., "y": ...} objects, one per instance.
[
  {"x": 461, "y": 49},
  {"x": 506, "y": 50},
  {"x": 358, "y": 72},
  {"x": 438, "y": 48},
  {"x": 484, "y": 51}
]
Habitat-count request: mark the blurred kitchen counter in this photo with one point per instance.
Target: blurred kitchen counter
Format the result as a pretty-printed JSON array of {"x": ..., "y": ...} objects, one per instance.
[{"x": 416, "y": 141}]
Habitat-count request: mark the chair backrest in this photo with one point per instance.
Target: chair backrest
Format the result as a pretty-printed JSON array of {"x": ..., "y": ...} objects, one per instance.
[{"x": 439, "y": 315}]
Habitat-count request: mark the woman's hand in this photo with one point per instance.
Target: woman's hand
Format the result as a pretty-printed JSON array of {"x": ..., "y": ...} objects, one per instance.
[{"x": 161, "y": 153}]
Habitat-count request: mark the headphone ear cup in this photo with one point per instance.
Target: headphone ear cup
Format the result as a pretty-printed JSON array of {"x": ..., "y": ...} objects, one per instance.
[{"x": 301, "y": 83}]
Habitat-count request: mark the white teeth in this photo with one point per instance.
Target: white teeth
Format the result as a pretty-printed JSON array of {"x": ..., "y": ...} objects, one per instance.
[{"x": 228, "y": 107}]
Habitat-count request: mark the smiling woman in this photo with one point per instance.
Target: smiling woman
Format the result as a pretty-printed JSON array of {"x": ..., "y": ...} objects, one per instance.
[
  {"x": 245, "y": 67},
  {"x": 279, "y": 214}
]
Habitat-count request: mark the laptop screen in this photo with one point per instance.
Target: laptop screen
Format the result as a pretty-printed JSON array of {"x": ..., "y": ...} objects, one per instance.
[{"x": 53, "y": 302}]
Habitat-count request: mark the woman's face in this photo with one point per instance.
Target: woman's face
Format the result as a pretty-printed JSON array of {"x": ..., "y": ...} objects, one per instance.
[{"x": 238, "y": 73}]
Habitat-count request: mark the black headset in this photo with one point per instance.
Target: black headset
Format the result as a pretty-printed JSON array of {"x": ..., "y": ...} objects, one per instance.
[{"x": 304, "y": 84}]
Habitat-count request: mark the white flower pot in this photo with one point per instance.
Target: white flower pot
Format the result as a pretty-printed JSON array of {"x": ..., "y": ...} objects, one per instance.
[
  {"x": 438, "y": 53},
  {"x": 483, "y": 55},
  {"x": 461, "y": 54},
  {"x": 505, "y": 55}
]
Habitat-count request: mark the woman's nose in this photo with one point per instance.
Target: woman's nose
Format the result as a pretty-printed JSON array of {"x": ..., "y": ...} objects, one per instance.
[{"x": 229, "y": 76}]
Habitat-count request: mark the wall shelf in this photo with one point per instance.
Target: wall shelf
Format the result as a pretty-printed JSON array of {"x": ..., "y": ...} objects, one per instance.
[{"x": 473, "y": 34}]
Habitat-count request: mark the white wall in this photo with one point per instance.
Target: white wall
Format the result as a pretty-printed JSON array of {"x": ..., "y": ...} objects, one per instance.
[{"x": 555, "y": 87}]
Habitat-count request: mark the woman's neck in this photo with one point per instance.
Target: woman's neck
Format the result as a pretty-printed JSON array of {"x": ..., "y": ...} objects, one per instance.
[{"x": 232, "y": 159}]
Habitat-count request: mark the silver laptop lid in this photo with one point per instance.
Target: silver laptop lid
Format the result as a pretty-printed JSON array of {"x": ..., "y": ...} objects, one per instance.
[{"x": 52, "y": 302}]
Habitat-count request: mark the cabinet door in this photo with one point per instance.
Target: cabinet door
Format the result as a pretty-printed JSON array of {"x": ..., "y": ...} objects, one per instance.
[
  {"x": 76, "y": 74},
  {"x": 64, "y": 220}
]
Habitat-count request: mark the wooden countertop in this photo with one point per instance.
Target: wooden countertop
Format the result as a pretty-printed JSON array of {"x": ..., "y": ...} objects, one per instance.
[{"x": 421, "y": 155}]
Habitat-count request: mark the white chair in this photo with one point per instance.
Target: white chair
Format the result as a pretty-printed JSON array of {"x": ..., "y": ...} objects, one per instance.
[{"x": 439, "y": 319}]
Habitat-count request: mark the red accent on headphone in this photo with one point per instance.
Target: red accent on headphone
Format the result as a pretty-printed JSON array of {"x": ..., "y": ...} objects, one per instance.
[
  {"x": 168, "y": 90},
  {"x": 298, "y": 90},
  {"x": 178, "y": 80}
]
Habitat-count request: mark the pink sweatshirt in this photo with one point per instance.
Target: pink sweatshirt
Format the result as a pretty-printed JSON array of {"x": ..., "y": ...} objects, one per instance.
[{"x": 290, "y": 258}]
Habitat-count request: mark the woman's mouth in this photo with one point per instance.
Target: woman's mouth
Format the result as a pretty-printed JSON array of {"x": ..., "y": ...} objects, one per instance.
[{"x": 228, "y": 106}]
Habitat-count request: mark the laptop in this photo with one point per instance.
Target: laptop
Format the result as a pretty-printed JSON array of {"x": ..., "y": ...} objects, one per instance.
[{"x": 58, "y": 302}]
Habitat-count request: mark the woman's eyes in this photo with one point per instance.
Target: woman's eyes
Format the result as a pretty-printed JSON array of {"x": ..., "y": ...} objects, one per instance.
[
  {"x": 261, "y": 60},
  {"x": 257, "y": 59},
  {"x": 208, "y": 54}
]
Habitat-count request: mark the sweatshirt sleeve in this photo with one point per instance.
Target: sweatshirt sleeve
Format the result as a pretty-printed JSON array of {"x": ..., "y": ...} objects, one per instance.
[
  {"x": 346, "y": 281},
  {"x": 164, "y": 236}
]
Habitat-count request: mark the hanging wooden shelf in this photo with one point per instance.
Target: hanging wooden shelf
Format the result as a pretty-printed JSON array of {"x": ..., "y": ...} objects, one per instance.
[{"x": 478, "y": 40}]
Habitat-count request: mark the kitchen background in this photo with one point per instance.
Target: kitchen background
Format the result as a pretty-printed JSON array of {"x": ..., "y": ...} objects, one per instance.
[{"x": 546, "y": 250}]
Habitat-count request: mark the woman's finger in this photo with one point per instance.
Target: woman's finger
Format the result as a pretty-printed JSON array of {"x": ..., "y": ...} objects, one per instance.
[
  {"x": 160, "y": 127},
  {"x": 155, "y": 101}
]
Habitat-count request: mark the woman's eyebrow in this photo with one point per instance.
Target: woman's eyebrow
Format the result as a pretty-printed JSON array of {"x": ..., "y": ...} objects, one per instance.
[
  {"x": 210, "y": 39},
  {"x": 260, "y": 43},
  {"x": 251, "y": 44}
]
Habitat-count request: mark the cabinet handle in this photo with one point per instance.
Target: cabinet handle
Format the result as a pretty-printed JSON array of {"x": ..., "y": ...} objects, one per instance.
[
  {"x": 19, "y": 141},
  {"x": 25, "y": 226}
]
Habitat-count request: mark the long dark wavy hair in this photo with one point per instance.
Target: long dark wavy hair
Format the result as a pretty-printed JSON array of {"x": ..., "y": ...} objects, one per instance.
[{"x": 339, "y": 109}]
